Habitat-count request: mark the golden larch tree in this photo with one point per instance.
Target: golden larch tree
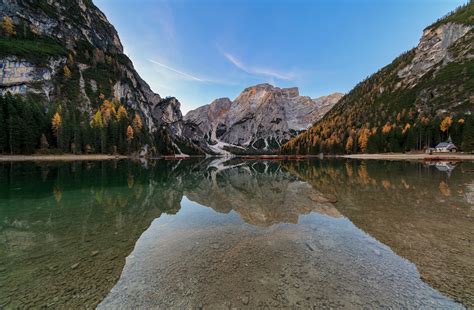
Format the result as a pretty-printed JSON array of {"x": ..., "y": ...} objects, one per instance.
[
  {"x": 97, "y": 120},
  {"x": 137, "y": 123},
  {"x": 129, "y": 133},
  {"x": 8, "y": 26},
  {"x": 349, "y": 144},
  {"x": 56, "y": 123},
  {"x": 67, "y": 72},
  {"x": 121, "y": 113},
  {"x": 406, "y": 128},
  {"x": 364, "y": 139},
  {"x": 446, "y": 123},
  {"x": 70, "y": 59},
  {"x": 107, "y": 110},
  {"x": 386, "y": 128}
]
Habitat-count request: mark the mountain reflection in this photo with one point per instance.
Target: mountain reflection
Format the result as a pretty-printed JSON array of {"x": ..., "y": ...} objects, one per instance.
[
  {"x": 66, "y": 228},
  {"x": 260, "y": 192}
]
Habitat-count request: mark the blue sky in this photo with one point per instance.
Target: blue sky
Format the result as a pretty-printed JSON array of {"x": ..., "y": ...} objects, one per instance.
[{"x": 201, "y": 50}]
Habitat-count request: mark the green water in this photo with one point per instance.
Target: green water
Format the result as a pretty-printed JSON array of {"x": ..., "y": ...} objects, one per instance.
[{"x": 223, "y": 234}]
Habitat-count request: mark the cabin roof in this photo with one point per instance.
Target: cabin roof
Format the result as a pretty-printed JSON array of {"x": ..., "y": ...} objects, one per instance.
[{"x": 448, "y": 145}]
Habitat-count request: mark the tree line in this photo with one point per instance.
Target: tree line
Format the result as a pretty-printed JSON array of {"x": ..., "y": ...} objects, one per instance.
[
  {"x": 408, "y": 134},
  {"x": 28, "y": 126}
]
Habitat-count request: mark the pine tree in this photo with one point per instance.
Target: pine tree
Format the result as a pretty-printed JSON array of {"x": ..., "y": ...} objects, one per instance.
[
  {"x": 14, "y": 126},
  {"x": 468, "y": 135},
  {"x": 129, "y": 136},
  {"x": 3, "y": 129},
  {"x": 31, "y": 129},
  {"x": 44, "y": 145}
]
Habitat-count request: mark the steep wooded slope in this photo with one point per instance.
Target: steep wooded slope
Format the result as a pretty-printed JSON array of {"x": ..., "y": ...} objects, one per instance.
[{"x": 421, "y": 98}]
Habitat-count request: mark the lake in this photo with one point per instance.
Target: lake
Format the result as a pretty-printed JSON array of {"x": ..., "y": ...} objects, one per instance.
[{"x": 222, "y": 234}]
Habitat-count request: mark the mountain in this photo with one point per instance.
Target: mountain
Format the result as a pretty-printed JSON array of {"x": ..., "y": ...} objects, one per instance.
[
  {"x": 259, "y": 120},
  {"x": 65, "y": 57},
  {"x": 423, "y": 97}
]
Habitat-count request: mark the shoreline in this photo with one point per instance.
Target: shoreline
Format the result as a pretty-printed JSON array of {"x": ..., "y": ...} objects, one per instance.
[
  {"x": 378, "y": 156},
  {"x": 412, "y": 156},
  {"x": 61, "y": 157}
]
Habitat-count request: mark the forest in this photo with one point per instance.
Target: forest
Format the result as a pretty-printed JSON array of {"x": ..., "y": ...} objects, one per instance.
[
  {"x": 28, "y": 126},
  {"x": 408, "y": 133}
]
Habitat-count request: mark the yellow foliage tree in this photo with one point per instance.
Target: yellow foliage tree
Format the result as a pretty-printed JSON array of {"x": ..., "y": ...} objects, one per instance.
[
  {"x": 364, "y": 139},
  {"x": 461, "y": 121},
  {"x": 386, "y": 128},
  {"x": 8, "y": 26},
  {"x": 129, "y": 133},
  {"x": 121, "y": 113},
  {"x": 137, "y": 123},
  {"x": 407, "y": 127},
  {"x": 446, "y": 123},
  {"x": 70, "y": 59},
  {"x": 349, "y": 144},
  {"x": 56, "y": 123},
  {"x": 67, "y": 72},
  {"x": 107, "y": 110},
  {"x": 97, "y": 120},
  {"x": 425, "y": 120}
]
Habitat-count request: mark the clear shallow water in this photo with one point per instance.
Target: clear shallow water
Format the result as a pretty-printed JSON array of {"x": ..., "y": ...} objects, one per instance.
[{"x": 236, "y": 234}]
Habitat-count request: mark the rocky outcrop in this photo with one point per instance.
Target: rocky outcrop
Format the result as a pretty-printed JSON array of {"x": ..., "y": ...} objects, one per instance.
[
  {"x": 69, "y": 21},
  {"x": 432, "y": 50},
  {"x": 18, "y": 76},
  {"x": 260, "y": 119}
]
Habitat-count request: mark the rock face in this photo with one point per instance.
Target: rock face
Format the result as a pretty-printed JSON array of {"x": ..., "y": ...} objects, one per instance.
[
  {"x": 260, "y": 119},
  {"x": 433, "y": 50},
  {"x": 17, "y": 74},
  {"x": 77, "y": 34}
]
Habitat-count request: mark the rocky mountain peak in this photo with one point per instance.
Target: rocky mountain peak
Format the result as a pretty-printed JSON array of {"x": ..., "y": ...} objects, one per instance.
[{"x": 258, "y": 120}]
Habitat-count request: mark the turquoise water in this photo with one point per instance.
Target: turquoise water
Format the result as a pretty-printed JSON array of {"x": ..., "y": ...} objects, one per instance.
[{"x": 222, "y": 234}]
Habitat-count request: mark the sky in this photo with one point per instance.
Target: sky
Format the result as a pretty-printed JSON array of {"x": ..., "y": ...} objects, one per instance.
[{"x": 201, "y": 50}]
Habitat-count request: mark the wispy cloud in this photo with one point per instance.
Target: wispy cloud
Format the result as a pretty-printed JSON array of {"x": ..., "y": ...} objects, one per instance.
[
  {"x": 258, "y": 71},
  {"x": 192, "y": 77},
  {"x": 184, "y": 74}
]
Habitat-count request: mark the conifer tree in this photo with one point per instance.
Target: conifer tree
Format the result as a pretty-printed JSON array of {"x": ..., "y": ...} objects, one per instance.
[
  {"x": 14, "y": 126},
  {"x": 468, "y": 135},
  {"x": 3, "y": 129}
]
